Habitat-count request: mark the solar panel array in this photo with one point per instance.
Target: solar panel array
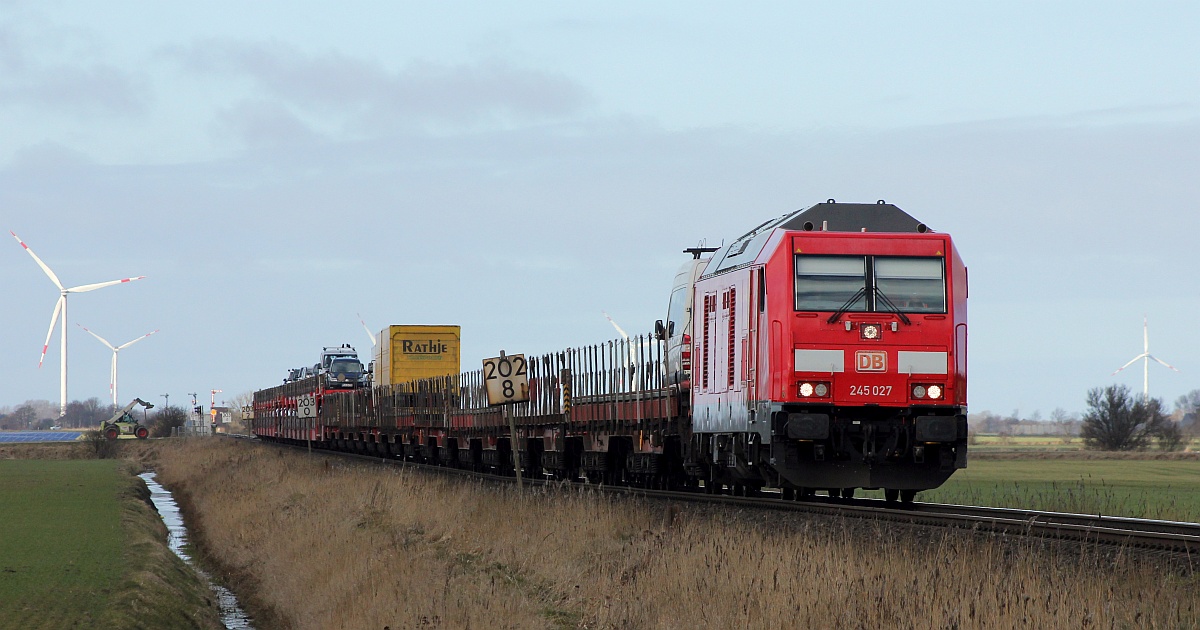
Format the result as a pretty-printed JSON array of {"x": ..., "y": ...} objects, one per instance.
[{"x": 39, "y": 436}]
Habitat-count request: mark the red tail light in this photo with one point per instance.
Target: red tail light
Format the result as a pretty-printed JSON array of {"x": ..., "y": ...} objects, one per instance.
[{"x": 686, "y": 357}]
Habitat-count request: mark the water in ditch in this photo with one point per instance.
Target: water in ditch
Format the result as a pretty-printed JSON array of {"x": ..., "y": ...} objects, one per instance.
[{"x": 232, "y": 615}]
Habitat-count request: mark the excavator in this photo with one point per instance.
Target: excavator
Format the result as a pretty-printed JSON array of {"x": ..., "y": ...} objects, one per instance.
[{"x": 123, "y": 422}]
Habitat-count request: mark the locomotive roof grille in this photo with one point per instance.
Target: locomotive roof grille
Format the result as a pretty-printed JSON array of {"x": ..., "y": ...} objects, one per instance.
[{"x": 830, "y": 216}]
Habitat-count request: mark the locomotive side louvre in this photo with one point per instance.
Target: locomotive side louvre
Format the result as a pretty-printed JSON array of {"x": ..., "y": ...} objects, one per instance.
[{"x": 719, "y": 397}]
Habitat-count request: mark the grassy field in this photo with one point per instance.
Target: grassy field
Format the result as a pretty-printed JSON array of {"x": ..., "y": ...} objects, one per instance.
[
  {"x": 60, "y": 541},
  {"x": 81, "y": 548},
  {"x": 1159, "y": 489},
  {"x": 316, "y": 542},
  {"x": 1038, "y": 444}
]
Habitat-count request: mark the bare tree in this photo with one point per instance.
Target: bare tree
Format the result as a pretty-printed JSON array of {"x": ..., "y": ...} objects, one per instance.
[
  {"x": 1187, "y": 409},
  {"x": 1116, "y": 421},
  {"x": 22, "y": 417},
  {"x": 1189, "y": 402}
]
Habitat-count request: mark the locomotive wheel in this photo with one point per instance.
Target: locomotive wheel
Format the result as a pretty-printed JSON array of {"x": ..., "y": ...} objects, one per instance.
[
  {"x": 142, "y": 433},
  {"x": 112, "y": 433},
  {"x": 891, "y": 496},
  {"x": 907, "y": 496}
]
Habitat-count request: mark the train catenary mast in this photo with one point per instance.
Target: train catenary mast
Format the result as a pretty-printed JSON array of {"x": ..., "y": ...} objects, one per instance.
[{"x": 827, "y": 350}]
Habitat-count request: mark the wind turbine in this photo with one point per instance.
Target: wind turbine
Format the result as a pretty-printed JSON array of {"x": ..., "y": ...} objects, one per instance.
[
  {"x": 1145, "y": 356},
  {"x": 112, "y": 377},
  {"x": 60, "y": 307}
]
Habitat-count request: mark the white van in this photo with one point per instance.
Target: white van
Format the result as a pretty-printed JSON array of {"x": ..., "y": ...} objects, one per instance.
[{"x": 677, "y": 331}]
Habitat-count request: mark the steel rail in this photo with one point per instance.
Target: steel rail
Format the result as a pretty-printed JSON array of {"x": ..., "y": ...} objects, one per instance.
[{"x": 1146, "y": 534}]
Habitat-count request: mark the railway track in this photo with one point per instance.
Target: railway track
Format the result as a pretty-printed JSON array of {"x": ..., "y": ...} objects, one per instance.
[{"x": 1143, "y": 534}]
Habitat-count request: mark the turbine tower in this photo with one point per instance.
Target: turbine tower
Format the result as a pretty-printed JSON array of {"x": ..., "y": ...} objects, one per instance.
[
  {"x": 60, "y": 307},
  {"x": 1145, "y": 356},
  {"x": 112, "y": 377}
]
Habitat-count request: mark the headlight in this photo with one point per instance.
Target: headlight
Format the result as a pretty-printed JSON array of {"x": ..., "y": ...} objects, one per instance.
[
  {"x": 919, "y": 391},
  {"x": 935, "y": 391},
  {"x": 821, "y": 389},
  {"x": 806, "y": 389},
  {"x": 869, "y": 331}
]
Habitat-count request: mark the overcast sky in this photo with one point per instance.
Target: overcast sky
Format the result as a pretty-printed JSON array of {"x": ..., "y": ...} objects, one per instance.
[{"x": 517, "y": 168}]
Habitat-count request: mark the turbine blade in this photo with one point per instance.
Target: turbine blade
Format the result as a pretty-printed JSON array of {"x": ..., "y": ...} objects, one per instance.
[
  {"x": 619, "y": 331},
  {"x": 53, "y": 320},
  {"x": 369, "y": 333},
  {"x": 126, "y": 345},
  {"x": 100, "y": 285},
  {"x": 102, "y": 339},
  {"x": 1131, "y": 362},
  {"x": 37, "y": 260},
  {"x": 1163, "y": 362}
]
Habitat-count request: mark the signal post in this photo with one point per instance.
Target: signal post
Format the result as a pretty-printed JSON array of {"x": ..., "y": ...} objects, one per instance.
[{"x": 506, "y": 379}]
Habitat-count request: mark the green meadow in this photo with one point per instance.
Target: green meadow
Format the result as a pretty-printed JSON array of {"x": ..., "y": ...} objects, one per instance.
[
  {"x": 60, "y": 541},
  {"x": 1142, "y": 488},
  {"x": 80, "y": 547}
]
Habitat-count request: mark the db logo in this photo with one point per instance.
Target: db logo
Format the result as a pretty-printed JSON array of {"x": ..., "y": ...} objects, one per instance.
[{"x": 870, "y": 361}]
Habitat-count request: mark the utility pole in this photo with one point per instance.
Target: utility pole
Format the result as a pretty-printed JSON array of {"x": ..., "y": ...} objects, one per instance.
[{"x": 167, "y": 399}]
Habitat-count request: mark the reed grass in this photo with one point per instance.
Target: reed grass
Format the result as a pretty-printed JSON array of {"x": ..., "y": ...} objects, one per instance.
[{"x": 313, "y": 542}]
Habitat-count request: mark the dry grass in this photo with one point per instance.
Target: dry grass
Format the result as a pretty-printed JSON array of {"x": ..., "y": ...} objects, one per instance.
[{"x": 317, "y": 543}]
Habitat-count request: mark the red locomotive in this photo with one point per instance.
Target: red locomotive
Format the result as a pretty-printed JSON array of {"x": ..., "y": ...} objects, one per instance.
[
  {"x": 831, "y": 353},
  {"x": 824, "y": 350}
]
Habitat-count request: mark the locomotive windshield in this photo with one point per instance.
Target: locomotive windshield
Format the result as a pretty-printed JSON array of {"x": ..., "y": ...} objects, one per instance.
[
  {"x": 914, "y": 285},
  {"x": 870, "y": 283},
  {"x": 830, "y": 283}
]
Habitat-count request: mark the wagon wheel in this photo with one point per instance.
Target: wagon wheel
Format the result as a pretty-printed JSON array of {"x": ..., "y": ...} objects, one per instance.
[
  {"x": 891, "y": 496},
  {"x": 848, "y": 493},
  {"x": 907, "y": 496}
]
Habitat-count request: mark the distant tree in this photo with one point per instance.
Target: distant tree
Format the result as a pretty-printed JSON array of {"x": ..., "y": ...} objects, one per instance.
[
  {"x": 1170, "y": 436},
  {"x": 166, "y": 418},
  {"x": 22, "y": 417},
  {"x": 1187, "y": 409},
  {"x": 1189, "y": 402},
  {"x": 238, "y": 406},
  {"x": 85, "y": 414},
  {"x": 1116, "y": 421}
]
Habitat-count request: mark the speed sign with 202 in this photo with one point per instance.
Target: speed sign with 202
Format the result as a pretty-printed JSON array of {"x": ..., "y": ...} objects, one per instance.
[{"x": 506, "y": 379}]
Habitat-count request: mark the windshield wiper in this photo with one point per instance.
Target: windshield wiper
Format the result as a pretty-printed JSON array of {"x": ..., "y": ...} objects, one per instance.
[
  {"x": 861, "y": 292},
  {"x": 891, "y": 306}
]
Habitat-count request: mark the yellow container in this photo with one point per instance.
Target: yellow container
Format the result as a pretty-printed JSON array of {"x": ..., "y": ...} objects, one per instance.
[{"x": 409, "y": 353}]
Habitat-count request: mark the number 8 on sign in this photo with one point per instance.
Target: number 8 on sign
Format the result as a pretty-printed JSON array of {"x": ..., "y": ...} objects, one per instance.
[{"x": 505, "y": 378}]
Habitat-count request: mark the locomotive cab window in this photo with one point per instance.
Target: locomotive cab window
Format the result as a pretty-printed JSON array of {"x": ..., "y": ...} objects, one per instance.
[
  {"x": 830, "y": 283},
  {"x": 906, "y": 284},
  {"x": 914, "y": 285}
]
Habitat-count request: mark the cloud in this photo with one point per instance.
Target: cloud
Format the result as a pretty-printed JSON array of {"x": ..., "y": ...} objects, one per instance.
[
  {"x": 370, "y": 95},
  {"x": 265, "y": 123},
  {"x": 79, "y": 90}
]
